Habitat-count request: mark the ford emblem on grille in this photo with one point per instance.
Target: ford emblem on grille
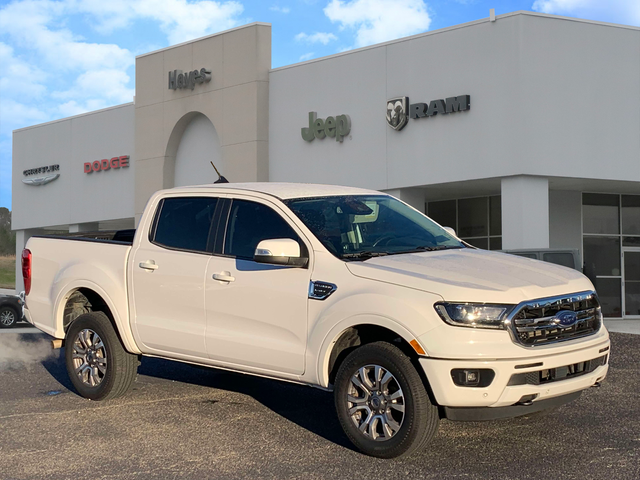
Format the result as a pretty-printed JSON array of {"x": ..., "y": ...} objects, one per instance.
[{"x": 566, "y": 318}]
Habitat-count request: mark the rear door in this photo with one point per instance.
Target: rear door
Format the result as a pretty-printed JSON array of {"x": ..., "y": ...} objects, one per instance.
[
  {"x": 168, "y": 276},
  {"x": 256, "y": 313}
]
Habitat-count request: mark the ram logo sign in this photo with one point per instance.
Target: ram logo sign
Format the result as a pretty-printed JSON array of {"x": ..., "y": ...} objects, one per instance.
[{"x": 399, "y": 110}]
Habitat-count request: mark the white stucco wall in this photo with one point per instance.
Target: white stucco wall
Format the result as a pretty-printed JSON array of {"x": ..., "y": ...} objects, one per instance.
[
  {"x": 549, "y": 97},
  {"x": 75, "y": 197}
]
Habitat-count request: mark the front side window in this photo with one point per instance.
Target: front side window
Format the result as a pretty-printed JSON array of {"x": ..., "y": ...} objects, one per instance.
[
  {"x": 362, "y": 226},
  {"x": 184, "y": 223},
  {"x": 250, "y": 223}
]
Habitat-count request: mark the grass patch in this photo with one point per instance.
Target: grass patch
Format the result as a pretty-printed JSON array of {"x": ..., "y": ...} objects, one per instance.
[{"x": 8, "y": 271}]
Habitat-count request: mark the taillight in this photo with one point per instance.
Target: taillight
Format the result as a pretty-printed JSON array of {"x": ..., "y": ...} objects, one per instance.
[{"x": 26, "y": 270}]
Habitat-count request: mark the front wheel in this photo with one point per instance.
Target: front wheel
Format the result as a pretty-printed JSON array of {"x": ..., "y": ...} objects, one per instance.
[
  {"x": 98, "y": 365},
  {"x": 8, "y": 316},
  {"x": 382, "y": 403}
]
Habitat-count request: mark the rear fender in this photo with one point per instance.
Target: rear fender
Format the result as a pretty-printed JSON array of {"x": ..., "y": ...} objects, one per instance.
[{"x": 119, "y": 310}]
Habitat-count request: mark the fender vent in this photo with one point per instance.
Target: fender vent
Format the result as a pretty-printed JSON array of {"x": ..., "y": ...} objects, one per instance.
[{"x": 321, "y": 290}]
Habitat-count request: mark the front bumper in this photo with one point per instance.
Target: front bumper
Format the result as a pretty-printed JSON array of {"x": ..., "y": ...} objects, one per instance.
[
  {"x": 480, "y": 414},
  {"x": 499, "y": 393}
]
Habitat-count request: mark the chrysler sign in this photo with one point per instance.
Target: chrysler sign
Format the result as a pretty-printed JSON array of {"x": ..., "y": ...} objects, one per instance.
[
  {"x": 41, "y": 175},
  {"x": 399, "y": 110}
]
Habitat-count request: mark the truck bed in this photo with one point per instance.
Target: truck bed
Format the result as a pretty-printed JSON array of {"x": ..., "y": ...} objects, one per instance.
[{"x": 61, "y": 263}]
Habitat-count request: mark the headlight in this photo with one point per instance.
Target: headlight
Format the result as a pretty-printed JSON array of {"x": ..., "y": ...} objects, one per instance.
[{"x": 475, "y": 315}]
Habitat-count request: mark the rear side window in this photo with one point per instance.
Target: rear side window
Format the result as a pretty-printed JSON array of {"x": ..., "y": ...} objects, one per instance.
[
  {"x": 525, "y": 255},
  {"x": 560, "y": 258},
  {"x": 185, "y": 223},
  {"x": 249, "y": 224}
]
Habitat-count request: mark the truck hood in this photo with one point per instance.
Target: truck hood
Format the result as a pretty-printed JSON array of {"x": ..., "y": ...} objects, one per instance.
[{"x": 470, "y": 275}]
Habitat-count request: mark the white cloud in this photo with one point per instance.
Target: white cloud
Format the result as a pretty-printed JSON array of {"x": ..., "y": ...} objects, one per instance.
[
  {"x": 276, "y": 8},
  {"x": 15, "y": 114},
  {"x": 19, "y": 77},
  {"x": 28, "y": 25},
  {"x": 378, "y": 21},
  {"x": 616, "y": 11},
  {"x": 180, "y": 20},
  {"x": 306, "y": 56},
  {"x": 73, "y": 107},
  {"x": 318, "y": 37},
  {"x": 107, "y": 84}
]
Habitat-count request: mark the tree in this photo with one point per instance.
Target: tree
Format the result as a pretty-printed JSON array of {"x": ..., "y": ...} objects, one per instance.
[{"x": 7, "y": 237}]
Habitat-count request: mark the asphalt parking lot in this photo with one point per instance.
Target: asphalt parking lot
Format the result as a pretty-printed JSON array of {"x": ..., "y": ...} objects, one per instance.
[{"x": 186, "y": 422}]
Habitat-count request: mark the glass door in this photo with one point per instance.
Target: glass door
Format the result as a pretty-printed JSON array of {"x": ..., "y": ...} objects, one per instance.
[{"x": 631, "y": 282}]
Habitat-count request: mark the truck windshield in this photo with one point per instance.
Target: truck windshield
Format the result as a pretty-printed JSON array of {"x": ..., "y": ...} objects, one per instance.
[{"x": 357, "y": 227}]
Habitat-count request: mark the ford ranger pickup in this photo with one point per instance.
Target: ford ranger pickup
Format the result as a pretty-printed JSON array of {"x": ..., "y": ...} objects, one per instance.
[{"x": 345, "y": 289}]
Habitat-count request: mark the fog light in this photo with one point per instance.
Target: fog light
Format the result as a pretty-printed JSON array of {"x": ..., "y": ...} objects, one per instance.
[
  {"x": 477, "y": 377},
  {"x": 472, "y": 377}
]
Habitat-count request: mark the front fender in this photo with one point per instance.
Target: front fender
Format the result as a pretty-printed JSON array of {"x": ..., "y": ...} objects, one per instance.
[
  {"x": 406, "y": 312},
  {"x": 335, "y": 333}
]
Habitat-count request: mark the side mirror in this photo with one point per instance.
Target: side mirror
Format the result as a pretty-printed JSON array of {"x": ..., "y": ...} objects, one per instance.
[
  {"x": 280, "y": 251},
  {"x": 451, "y": 231}
]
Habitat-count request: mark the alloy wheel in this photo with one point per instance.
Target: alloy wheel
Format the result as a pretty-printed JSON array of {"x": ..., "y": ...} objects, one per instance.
[
  {"x": 89, "y": 357},
  {"x": 7, "y": 318},
  {"x": 376, "y": 402}
]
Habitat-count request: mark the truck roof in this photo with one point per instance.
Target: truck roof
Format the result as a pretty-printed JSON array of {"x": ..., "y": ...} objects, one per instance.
[{"x": 285, "y": 191}]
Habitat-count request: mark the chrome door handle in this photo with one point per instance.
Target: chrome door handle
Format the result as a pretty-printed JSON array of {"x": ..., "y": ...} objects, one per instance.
[
  {"x": 223, "y": 277},
  {"x": 149, "y": 265}
]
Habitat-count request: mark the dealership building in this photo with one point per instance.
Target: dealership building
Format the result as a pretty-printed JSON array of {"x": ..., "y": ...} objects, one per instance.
[{"x": 521, "y": 131}]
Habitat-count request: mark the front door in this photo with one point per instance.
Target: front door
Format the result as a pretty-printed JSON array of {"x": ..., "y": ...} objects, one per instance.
[
  {"x": 168, "y": 278},
  {"x": 256, "y": 313},
  {"x": 631, "y": 283}
]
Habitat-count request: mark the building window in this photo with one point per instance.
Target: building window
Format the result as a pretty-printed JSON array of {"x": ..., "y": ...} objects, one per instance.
[
  {"x": 611, "y": 251},
  {"x": 477, "y": 220}
]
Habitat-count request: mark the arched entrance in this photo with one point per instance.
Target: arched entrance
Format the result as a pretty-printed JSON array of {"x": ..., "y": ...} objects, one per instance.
[{"x": 193, "y": 144}]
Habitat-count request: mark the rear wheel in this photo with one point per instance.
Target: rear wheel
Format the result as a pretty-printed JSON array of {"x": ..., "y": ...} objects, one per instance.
[
  {"x": 8, "y": 316},
  {"x": 98, "y": 365},
  {"x": 382, "y": 403}
]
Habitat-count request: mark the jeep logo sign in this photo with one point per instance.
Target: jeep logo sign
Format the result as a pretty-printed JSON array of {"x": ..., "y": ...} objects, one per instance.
[
  {"x": 337, "y": 127},
  {"x": 399, "y": 110},
  {"x": 179, "y": 80}
]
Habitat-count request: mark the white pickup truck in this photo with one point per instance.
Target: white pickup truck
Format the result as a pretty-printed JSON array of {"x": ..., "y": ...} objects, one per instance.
[{"x": 340, "y": 288}]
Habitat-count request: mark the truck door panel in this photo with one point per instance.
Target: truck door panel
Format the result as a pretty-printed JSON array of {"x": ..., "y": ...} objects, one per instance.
[
  {"x": 256, "y": 313},
  {"x": 168, "y": 277}
]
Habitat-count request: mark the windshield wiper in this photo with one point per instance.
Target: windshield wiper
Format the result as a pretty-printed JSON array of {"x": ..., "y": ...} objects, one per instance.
[
  {"x": 425, "y": 248},
  {"x": 364, "y": 255}
]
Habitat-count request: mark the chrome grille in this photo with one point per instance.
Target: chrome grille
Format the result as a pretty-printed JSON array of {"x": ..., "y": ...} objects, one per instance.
[{"x": 556, "y": 319}]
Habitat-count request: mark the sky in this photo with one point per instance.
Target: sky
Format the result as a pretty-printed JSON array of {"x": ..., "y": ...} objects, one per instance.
[{"x": 60, "y": 58}]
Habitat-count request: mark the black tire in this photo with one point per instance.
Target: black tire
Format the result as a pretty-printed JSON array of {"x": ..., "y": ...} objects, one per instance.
[
  {"x": 9, "y": 316},
  {"x": 420, "y": 418},
  {"x": 120, "y": 367}
]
